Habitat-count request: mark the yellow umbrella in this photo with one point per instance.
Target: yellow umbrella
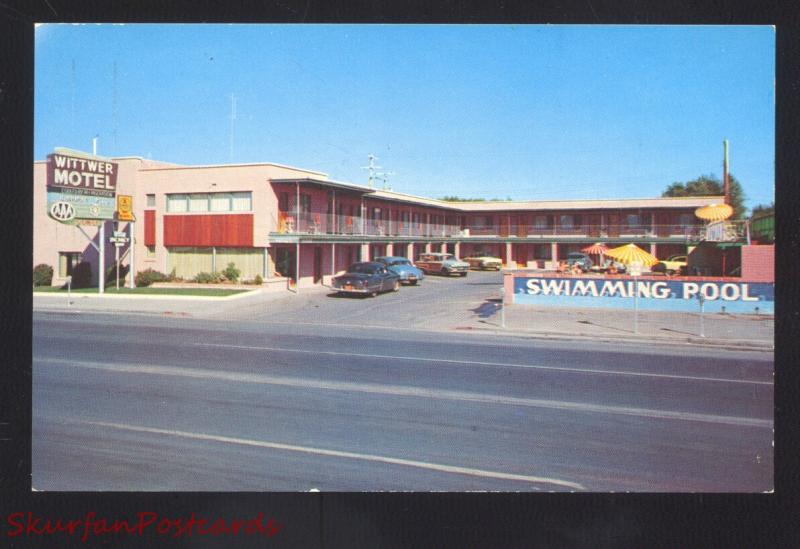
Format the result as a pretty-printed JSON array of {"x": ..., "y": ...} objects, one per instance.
[
  {"x": 631, "y": 253},
  {"x": 714, "y": 212}
]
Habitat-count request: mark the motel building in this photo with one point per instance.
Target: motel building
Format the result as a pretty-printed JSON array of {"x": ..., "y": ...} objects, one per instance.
[{"x": 297, "y": 228}]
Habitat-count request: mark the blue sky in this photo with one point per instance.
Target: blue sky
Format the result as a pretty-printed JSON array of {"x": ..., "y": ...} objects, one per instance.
[{"x": 521, "y": 111}]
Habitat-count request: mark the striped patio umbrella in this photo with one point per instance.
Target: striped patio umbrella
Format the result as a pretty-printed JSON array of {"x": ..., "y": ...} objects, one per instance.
[
  {"x": 714, "y": 212},
  {"x": 631, "y": 253},
  {"x": 595, "y": 249}
]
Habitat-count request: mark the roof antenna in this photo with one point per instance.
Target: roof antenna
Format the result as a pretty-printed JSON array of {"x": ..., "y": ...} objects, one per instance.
[
  {"x": 372, "y": 167},
  {"x": 233, "y": 117},
  {"x": 384, "y": 176}
]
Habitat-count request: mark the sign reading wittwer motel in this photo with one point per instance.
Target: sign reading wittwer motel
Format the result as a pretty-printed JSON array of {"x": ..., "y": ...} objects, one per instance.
[
  {"x": 663, "y": 295},
  {"x": 80, "y": 187}
]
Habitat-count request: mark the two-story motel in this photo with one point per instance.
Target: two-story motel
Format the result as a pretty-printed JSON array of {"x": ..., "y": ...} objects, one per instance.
[{"x": 281, "y": 222}]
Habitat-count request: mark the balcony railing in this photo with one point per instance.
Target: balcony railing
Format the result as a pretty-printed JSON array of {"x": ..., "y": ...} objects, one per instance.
[{"x": 318, "y": 223}]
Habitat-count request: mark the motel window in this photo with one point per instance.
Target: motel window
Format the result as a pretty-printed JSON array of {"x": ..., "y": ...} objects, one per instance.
[
  {"x": 567, "y": 221},
  {"x": 633, "y": 220},
  {"x": 220, "y": 202},
  {"x": 241, "y": 202},
  {"x": 198, "y": 202},
  {"x": 283, "y": 202},
  {"x": 151, "y": 201},
  {"x": 176, "y": 203},
  {"x": 305, "y": 203},
  {"x": 541, "y": 221},
  {"x": 685, "y": 219},
  {"x": 151, "y": 251},
  {"x": 376, "y": 213},
  {"x": 67, "y": 261}
]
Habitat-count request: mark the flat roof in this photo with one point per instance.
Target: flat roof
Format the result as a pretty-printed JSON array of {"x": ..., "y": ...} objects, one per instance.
[
  {"x": 324, "y": 183},
  {"x": 243, "y": 165},
  {"x": 591, "y": 204}
]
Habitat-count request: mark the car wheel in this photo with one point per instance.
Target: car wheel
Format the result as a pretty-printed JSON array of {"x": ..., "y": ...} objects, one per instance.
[
  {"x": 445, "y": 272},
  {"x": 670, "y": 272},
  {"x": 396, "y": 287},
  {"x": 373, "y": 293},
  {"x": 463, "y": 274},
  {"x": 413, "y": 283}
]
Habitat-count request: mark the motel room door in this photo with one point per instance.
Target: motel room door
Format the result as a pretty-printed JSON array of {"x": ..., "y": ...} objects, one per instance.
[
  {"x": 317, "y": 264},
  {"x": 285, "y": 262}
]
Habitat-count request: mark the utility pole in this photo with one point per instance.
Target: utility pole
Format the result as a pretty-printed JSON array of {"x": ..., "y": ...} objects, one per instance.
[
  {"x": 384, "y": 176},
  {"x": 233, "y": 117},
  {"x": 725, "y": 183}
]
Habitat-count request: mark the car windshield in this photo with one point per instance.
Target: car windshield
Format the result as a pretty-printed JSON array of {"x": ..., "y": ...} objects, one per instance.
[
  {"x": 363, "y": 269},
  {"x": 400, "y": 262}
]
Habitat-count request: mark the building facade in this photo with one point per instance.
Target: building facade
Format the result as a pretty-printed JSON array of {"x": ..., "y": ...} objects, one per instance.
[{"x": 281, "y": 222}]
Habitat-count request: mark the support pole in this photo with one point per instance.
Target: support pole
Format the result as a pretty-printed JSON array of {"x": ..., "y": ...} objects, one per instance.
[
  {"x": 503, "y": 306},
  {"x": 297, "y": 268},
  {"x": 101, "y": 282},
  {"x": 635, "y": 304},
  {"x": 116, "y": 260},
  {"x": 132, "y": 263}
]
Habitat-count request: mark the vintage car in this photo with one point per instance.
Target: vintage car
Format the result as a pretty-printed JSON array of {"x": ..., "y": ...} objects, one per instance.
[
  {"x": 484, "y": 261},
  {"x": 368, "y": 278},
  {"x": 444, "y": 264},
  {"x": 408, "y": 273},
  {"x": 581, "y": 259},
  {"x": 674, "y": 264}
]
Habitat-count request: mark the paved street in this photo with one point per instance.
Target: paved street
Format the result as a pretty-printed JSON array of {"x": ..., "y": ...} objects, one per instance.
[{"x": 285, "y": 399}]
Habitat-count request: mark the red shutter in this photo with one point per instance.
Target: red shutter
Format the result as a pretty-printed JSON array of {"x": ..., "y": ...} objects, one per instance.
[{"x": 149, "y": 227}]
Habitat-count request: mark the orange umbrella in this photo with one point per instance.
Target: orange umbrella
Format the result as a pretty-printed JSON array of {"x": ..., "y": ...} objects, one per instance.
[
  {"x": 595, "y": 249},
  {"x": 714, "y": 212},
  {"x": 631, "y": 253}
]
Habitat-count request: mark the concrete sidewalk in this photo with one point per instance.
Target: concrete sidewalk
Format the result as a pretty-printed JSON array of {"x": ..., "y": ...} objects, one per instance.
[{"x": 725, "y": 330}]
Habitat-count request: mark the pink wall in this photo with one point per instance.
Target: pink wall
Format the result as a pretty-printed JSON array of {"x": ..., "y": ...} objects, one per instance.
[{"x": 758, "y": 263}]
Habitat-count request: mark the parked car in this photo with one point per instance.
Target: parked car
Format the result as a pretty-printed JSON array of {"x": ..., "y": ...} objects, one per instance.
[
  {"x": 408, "y": 273},
  {"x": 674, "y": 264},
  {"x": 444, "y": 264},
  {"x": 583, "y": 260},
  {"x": 366, "y": 277},
  {"x": 484, "y": 261}
]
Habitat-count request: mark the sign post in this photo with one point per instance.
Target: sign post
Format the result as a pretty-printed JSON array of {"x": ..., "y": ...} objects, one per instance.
[
  {"x": 636, "y": 271},
  {"x": 503, "y": 307},
  {"x": 701, "y": 298}
]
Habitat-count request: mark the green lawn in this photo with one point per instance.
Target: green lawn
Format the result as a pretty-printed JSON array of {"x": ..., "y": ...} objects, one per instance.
[{"x": 211, "y": 292}]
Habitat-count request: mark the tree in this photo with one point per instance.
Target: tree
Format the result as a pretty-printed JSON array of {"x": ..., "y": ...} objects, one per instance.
[
  {"x": 709, "y": 185},
  {"x": 762, "y": 210}
]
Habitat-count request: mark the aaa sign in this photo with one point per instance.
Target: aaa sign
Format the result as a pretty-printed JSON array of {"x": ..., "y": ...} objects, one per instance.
[{"x": 125, "y": 208}]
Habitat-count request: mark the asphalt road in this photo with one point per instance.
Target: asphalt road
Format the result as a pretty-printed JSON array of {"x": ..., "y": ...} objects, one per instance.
[{"x": 125, "y": 402}]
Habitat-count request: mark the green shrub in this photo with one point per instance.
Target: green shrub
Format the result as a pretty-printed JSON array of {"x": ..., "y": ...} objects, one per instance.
[
  {"x": 42, "y": 275},
  {"x": 172, "y": 276},
  {"x": 82, "y": 275},
  {"x": 148, "y": 276},
  {"x": 231, "y": 272},
  {"x": 111, "y": 274},
  {"x": 208, "y": 278},
  {"x": 258, "y": 280}
]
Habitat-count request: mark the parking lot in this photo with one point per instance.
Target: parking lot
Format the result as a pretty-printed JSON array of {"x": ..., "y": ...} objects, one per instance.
[{"x": 436, "y": 302}]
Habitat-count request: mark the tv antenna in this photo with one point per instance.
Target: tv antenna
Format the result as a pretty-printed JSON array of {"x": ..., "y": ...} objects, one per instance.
[
  {"x": 233, "y": 117},
  {"x": 372, "y": 167},
  {"x": 384, "y": 176}
]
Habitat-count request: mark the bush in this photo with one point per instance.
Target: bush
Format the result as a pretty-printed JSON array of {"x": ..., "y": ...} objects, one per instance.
[
  {"x": 208, "y": 278},
  {"x": 173, "y": 277},
  {"x": 148, "y": 276},
  {"x": 111, "y": 274},
  {"x": 82, "y": 275},
  {"x": 258, "y": 280},
  {"x": 42, "y": 275},
  {"x": 231, "y": 272}
]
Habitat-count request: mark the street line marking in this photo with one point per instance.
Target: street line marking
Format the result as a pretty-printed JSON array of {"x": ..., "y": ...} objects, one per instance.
[
  {"x": 493, "y": 364},
  {"x": 336, "y": 453},
  {"x": 409, "y": 391}
]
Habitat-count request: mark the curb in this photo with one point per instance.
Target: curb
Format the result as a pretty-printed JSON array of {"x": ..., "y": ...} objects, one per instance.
[
  {"x": 76, "y": 297},
  {"x": 743, "y": 345}
]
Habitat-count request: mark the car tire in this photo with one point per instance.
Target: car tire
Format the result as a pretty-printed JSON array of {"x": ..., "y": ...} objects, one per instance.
[
  {"x": 670, "y": 272},
  {"x": 373, "y": 293},
  {"x": 463, "y": 274},
  {"x": 445, "y": 272},
  {"x": 396, "y": 287},
  {"x": 412, "y": 283}
]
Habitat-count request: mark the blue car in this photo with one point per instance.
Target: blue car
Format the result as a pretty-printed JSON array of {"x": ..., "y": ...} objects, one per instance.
[{"x": 408, "y": 273}]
